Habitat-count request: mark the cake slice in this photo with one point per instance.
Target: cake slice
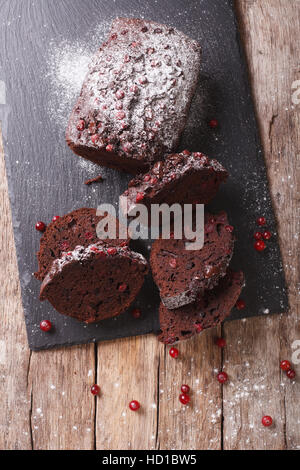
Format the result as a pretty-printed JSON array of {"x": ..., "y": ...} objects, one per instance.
[
  {"x": 94, "y": 283},
  {"x": 67, "y": 232},
  {"x": 207, "y": 311},
  {"x": 184, "y": 177},
  {"x": 135, "y": 98},
  {"x": 181, "y": 274}
]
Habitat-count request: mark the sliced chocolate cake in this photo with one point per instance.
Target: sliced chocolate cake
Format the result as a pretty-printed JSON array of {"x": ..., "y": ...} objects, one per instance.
[
  {"x": 94, "y": 283},
  {"x": 184, "y": 177},
  {"x": 67, "y": 232},
  {"x": 207, "y": 311},
  {"x": 135, "y": 98},
  {"x": 182, "y": 274}
]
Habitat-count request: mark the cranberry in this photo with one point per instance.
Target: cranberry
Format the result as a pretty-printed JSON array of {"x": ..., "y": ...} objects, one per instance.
[
  {"x": 174, "y": 353},
  {"x": 221, "y": 342},
  {"x": 184, "y": 398},
  {"x": 134, "y": 405},
  {"x": 258, "y": 235},
  {"x": 120, "y": 115},
  {"x": 267, "y": 235},
  {"x": 187, "y": 153},
  {"x": 241, "y": 304},
  {"x": 229, "y": 228},
  {"x": 136, "y": 313},
  {"x": 267, "y": 421},
  {"x": 55, "y": 218},
  {"x": 45, "y": 325},
  {"x": 222, "y": 377},
  {"x": 198, "y": 327},
  {"x": 95, "y": 389},
  {"x": 260, "y": 245},
  {"x": 291, "y": 374},
  {"x": 40, "y": 226},
  {"x": 173, "y": 263},
  {"x": 213, "y": 123},
  {"x": 139, "y": 197},
  {"x": 122, "y": 287},
  {"x": 261, "y": 221},
  {"x": 81, "y": 125},
  {"x": 94, "y": 138},
  {"x": 285, "y": 365},
  {"x": 109, "y": 148},
  {"x": 185, "y": 389},
  {"x": 120, "y": 94},
  {"x": 112, "y": 250}
]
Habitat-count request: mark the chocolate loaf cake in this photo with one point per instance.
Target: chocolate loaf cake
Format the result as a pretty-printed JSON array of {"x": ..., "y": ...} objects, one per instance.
[
  {"x": 185, "y": 177},
  {"x": 94, "y": 283},
  {"x": 134, "y": 101},
  {"x": 207, "y": 311},
  {"x": 182, "y": 274},
  {"x": 67, "y": 232}
]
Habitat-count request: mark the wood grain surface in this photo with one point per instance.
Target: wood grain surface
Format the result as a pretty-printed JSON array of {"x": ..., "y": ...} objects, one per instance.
[{"x": 46, "y": 402}]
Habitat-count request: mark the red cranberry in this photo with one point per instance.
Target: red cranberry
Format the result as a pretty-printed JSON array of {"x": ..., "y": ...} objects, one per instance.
[
  {"x": 285, "y": 365},
  {"x": 120, "y": 94},
  {"x": 55, "y": 218},
  {"x": 134, "y": 405},
  {"x": 187, "y": 153},
  {"x": 258, "y": 235},
  {"x": 112, "y": 250},
  {"x": 267, "y": 421},
  {"x": 45, "y": 325},
  {"x": 291, "y": 374},
  {"x": 174, "y": 353},
  {"x": 136, "y": 313},
  {"x": 122, "y": 287},
  {"x": 109, "y": 148},
  {"x": 94, "y": 138},
  {"x": 267, "y": 235},
  {"x": 213, "y": 123},
  {"x": 184, "y": 398},
  {"x": 198, "y": 327},
  {"x": 173, "y": 263},
  {"x": 95, "y": 389},
  {"x": 185, "y": 389},
  {"x": 260, "y": 245},
  {"x": 139, "y": 197},
  {"x": 221, "y": 342},
  {"x": 261, "y": 221},
  {"x": 81, "y": 125},
  {"x": 241, "y": 304},
  {"x": 222, "y": 377},
  {"x": 229, "y": 228},
  {"x": 40, "y": 226}
]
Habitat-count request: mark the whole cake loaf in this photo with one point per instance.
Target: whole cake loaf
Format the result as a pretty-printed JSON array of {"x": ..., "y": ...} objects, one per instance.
[
  {"x": 135, "y": 98},
  {"x": 94, "y": 283},
  {"x": 68, "y": 231},
  {"x": 185, "y": 178},
  {"x": 182, "y": 274},
  {"x": 207, "y": 311}
]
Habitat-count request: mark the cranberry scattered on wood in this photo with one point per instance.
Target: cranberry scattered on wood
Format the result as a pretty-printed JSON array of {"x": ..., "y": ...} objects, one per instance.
[
  {"x": 285, "y": 365},
  {"x": 291, "y": 374},
  {"x": 45, "y": 325},
  {"x": 185, "y": 389},
  {"x": 261, "y": 221},
  {"x": 134, "y": 405},
  {"x": 221, "y": 342},
  {"x": 222, "y": 377},
  {"x": 40, "y": 226},
  {"x": 95, "y": 389},
  {"x": 174, "y": 353},
  {"x": 260, "y": 246},
  {"x": 241, "y": 304},
  {"x": 184, "y": 398},
  {"x": 267, "y": 421},
  {"x": 213, "y": 123}
]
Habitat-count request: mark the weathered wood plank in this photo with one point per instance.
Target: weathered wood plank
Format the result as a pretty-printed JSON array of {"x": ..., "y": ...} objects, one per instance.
[
  {"x": 255, "y": 347},
  {"x": 14, "y": 352},
  {"x": 127, "y": 370}
]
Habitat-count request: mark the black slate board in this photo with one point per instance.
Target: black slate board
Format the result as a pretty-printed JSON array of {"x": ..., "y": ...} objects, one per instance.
[{"x": 46, "y": 179}]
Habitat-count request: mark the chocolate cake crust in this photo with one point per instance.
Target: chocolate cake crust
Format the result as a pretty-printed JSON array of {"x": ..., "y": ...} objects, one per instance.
[
  {"x": 94, "y": 283},
  {"x": 185, "y": 177},
  {"x": 135, "y": 98},
  {"x": 68, "y": 231},
  {"x": 182, "y": 274},
  {"x": 206, "y": 312}
]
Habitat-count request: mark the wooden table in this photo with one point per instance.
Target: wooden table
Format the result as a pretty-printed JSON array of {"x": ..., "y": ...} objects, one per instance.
[{"x": 45, "y": 397}]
